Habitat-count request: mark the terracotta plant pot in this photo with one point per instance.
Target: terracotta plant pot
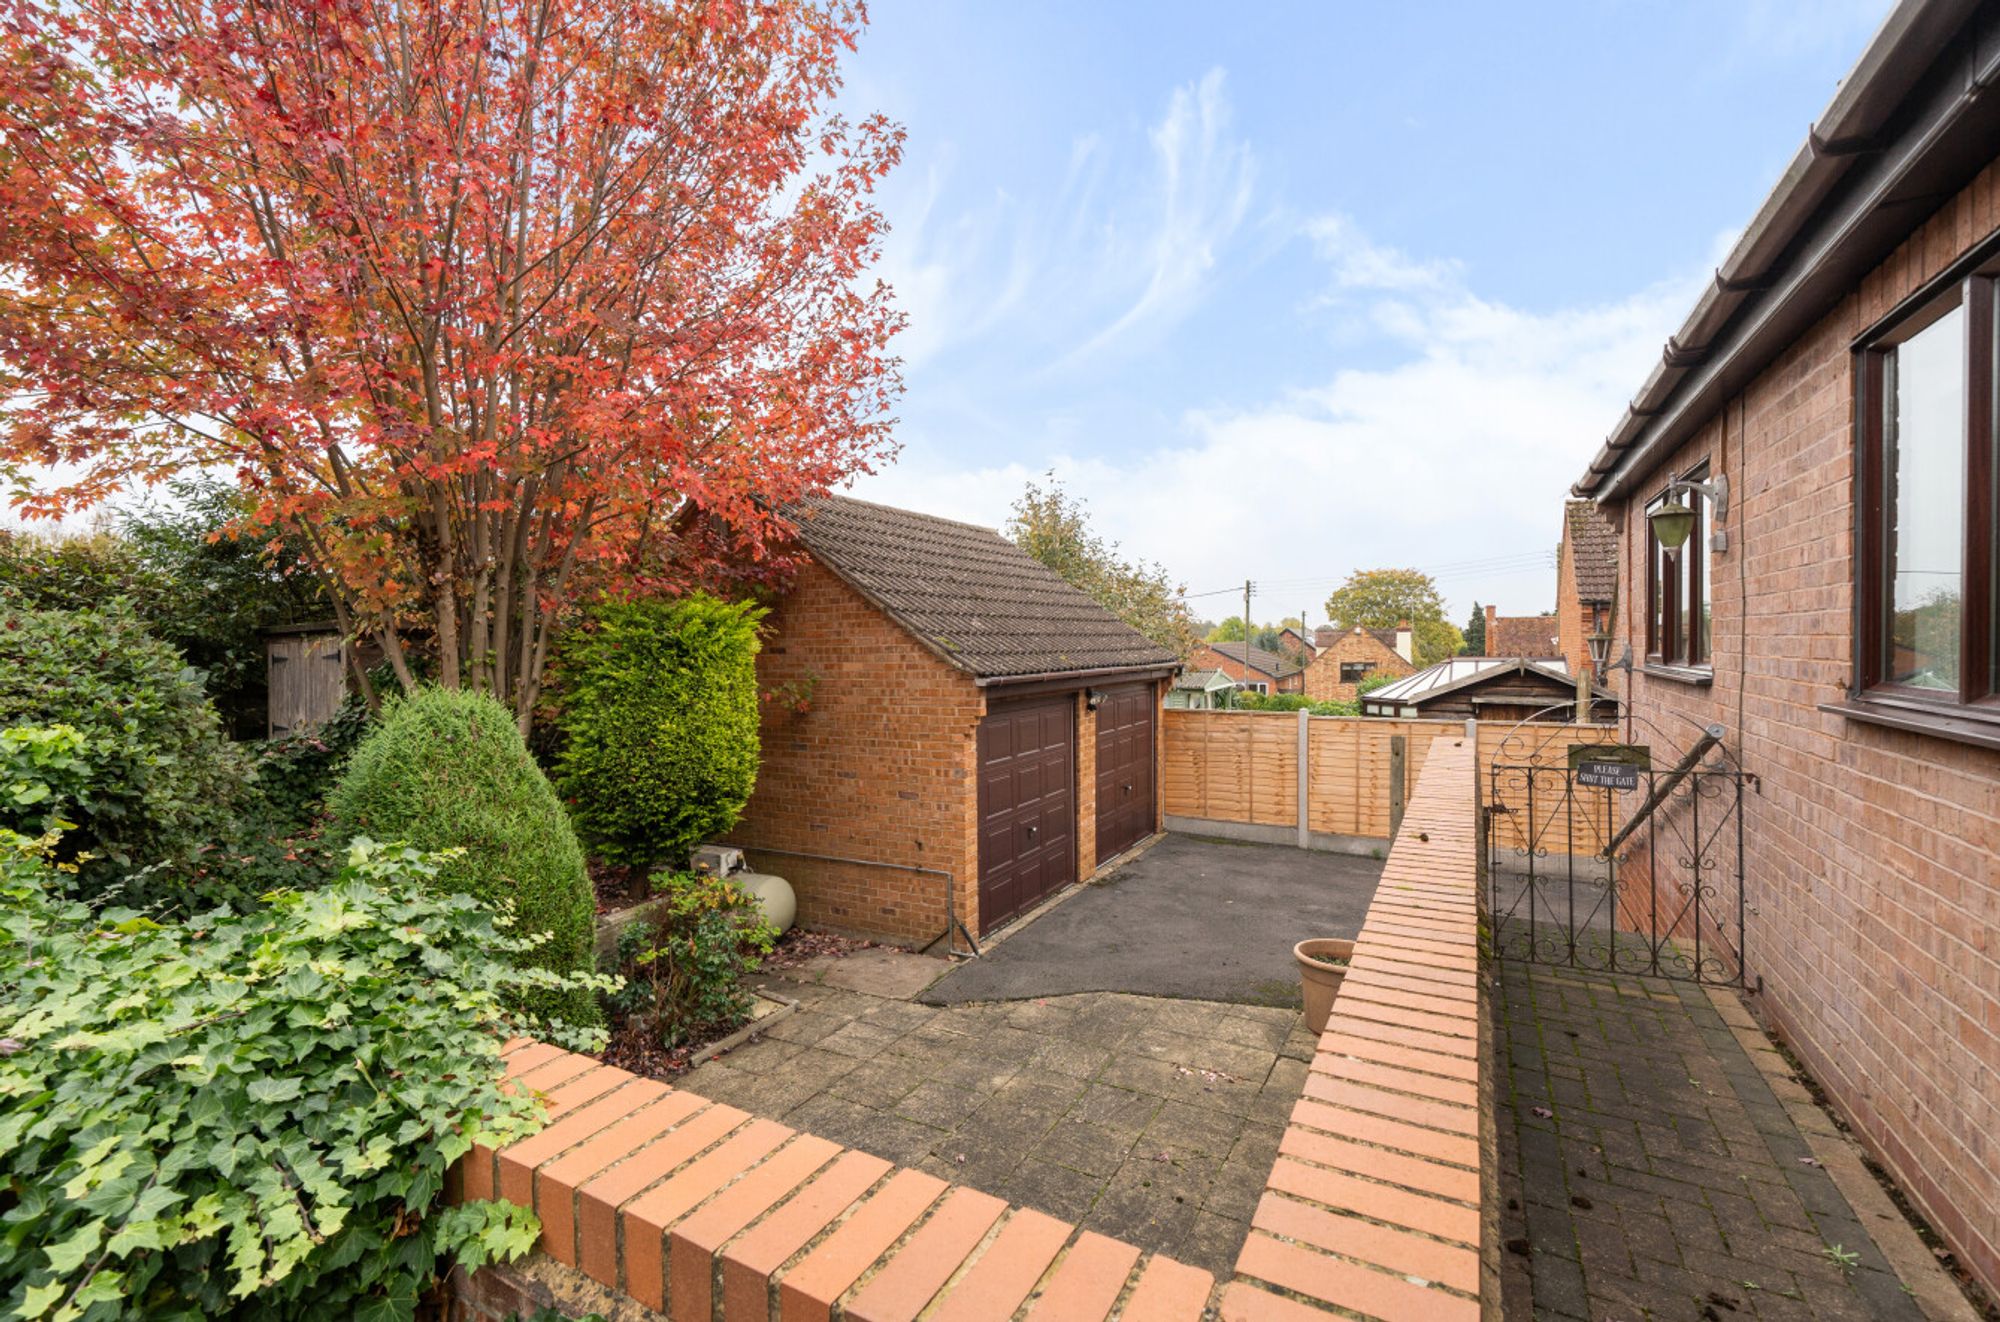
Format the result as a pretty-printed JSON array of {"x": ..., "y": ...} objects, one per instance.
[{"x": 1322, "y": 964}]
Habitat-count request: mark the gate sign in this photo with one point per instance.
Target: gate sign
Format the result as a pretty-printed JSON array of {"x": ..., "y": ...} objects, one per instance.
[
  {"x": 1609, "y": 766},
  {"x": 1607, "y": 775}
]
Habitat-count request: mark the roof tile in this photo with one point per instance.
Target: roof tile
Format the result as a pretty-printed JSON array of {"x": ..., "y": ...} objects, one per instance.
[{"x": 968, "y": 593}]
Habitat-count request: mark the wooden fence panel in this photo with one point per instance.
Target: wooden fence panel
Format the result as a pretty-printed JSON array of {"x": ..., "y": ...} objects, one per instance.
[
  {"x": 1244, "y": 767},
  {"x": 1238, "y": 766}
]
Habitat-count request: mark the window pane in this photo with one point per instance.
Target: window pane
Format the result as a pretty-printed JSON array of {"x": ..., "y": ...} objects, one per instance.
[{"x": 1926, "y": 462}]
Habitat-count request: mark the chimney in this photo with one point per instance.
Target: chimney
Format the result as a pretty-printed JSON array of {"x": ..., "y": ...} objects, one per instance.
[
  {"x": 1406, "y": 641},
  {"x": 1492, "y": 615}
]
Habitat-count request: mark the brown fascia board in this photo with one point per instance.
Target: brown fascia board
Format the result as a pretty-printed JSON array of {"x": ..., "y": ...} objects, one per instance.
[{"x": 1907, "y": 128}]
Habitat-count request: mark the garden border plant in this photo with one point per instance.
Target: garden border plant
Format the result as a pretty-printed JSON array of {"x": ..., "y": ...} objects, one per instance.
[{"x": 253, "y": 1115}]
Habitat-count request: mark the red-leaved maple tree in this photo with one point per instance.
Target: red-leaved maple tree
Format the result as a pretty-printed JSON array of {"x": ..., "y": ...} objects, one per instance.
[{"x": 476, "y": 296}]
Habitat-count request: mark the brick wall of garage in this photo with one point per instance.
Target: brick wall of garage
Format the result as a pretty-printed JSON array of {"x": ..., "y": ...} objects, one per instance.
[
  {"x": 1871, "y": 853},
  {"x": 883, "y": 766},
  {"x": 1322, "y": 677}
]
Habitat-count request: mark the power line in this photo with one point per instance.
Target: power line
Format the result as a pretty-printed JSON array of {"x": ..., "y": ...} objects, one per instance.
[{"x": 1518, "y": 562}]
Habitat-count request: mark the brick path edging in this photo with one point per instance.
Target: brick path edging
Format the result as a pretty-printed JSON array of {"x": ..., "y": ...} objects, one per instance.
[
  {"x": 1381, "y": 1201},
  {"x": 703, "y": 1211}
]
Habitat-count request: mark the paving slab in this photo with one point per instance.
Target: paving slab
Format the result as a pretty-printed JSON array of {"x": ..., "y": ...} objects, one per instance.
[
  {"x": 1050, "y": 1102},
  {"x": 1650, "y": 1171},
  {"x": 896, "y": 974},
  {"x": 1202, "y": 919}
]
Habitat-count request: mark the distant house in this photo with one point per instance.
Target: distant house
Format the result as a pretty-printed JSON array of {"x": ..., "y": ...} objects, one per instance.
[
  {"x": 967, "y": 720},
  {"x": 1200, "y": 690},
  {"x": 1335, "y": 675},
  {"x": 1490, "y": 688},
  {"x": 1295, "y": 644},
  {"x": 1254, "y": 668},
  {"x": 1586, "y": 580},
  {"x": 1532, "y": 636}
]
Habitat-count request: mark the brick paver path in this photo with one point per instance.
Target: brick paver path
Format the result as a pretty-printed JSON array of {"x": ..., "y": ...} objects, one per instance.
[
  {"x": 1152, "y": 1121},
  {"x": 1649, "y": 1172}
]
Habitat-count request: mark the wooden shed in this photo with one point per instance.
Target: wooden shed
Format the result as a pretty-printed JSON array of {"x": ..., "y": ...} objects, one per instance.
[{"x": 1489, "y": 688}]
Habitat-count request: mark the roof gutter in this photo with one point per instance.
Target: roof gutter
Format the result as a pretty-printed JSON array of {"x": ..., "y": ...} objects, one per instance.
[{"x": 1846, "y": 199}]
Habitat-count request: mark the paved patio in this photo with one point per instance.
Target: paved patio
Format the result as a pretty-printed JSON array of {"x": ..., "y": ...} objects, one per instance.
[
  {"x": 1650, "y": 1171},
  {"x": 1153, "y": 1121}
]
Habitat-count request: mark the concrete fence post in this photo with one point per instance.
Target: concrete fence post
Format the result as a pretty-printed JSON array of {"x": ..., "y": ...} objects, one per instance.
[
  {"x": 1305, "y": 779},
  {"x": 1399, "y": 770}
]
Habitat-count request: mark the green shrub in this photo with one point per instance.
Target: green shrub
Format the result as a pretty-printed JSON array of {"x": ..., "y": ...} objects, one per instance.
[
  {"x": 250, "y": 1116},
  {"x": 1247, "y": 701},
  {"x": 445, "y": 769},
  {"x": 658, "y": 712},
  {"x": 684, "y": 964},
  {"x": 162, "y": 778},
  {"x": 197, "y": 581}
]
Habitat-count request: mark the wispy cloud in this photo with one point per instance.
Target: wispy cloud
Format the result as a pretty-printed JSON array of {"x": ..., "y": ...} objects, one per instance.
[
  {"x": 1358, "y": 263},
  {"x": 1202, "y": 194},
  {"x": 1460, "y": 446}
]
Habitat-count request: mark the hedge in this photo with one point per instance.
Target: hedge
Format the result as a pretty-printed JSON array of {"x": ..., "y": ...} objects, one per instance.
[
  {"x": 160, "y": 778},
  {"x": 658, "y": 715},
  {"x": 447, "y": 769}
]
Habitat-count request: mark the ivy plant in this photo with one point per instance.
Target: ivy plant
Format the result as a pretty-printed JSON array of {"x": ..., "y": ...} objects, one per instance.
[{"x": 252, "y": 1114}]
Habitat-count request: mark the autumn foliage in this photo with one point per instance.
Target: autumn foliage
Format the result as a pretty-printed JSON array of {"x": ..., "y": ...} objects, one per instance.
[{"x": 474, "y": 295}]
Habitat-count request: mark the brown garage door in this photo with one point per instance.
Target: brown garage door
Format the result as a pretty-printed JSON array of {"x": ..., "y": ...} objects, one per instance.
[
  {"x": 1027, "y": 806},
  {"x": 1125, "y": 762}
]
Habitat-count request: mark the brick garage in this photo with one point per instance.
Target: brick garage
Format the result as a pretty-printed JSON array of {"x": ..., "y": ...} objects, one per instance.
[
  {"x": 1531, "y": 636},
  {"x": 1347, "y": 658},
  {"x": 906, "y": 653},
  {"x": 1873, "y": 845}
]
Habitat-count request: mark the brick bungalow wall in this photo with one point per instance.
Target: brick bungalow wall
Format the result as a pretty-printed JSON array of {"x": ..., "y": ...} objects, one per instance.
[
  {"x": 1322, "y": 677},
  {"x": 882, "y": 766},
  {"x": 1211, "y": 658},
  {"x": 1873, "y": 855}
]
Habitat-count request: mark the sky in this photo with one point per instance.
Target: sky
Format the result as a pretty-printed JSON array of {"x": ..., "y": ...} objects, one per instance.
[{"x": 1285, "y": 290}]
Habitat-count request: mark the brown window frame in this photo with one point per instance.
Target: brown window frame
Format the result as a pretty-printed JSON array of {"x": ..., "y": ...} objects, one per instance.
[
  {"x": 1364, "y": 667},
  {"x": 1669, "y": 594},
  {"x": 1973, "y": 712}
]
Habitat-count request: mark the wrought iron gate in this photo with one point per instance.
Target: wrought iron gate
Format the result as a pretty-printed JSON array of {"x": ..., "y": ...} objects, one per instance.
[{"x": 1634, "y": 870}]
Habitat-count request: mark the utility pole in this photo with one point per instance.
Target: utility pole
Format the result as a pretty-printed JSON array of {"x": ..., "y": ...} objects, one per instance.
[{"x": 1246, "y": 631}]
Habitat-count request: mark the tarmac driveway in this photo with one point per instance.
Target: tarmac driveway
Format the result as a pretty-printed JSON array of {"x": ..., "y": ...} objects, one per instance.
[{"x": 1192, "y": 917}]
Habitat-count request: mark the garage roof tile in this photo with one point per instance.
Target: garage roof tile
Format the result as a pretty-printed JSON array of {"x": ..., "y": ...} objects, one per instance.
[{"x": 967, "y": 593}]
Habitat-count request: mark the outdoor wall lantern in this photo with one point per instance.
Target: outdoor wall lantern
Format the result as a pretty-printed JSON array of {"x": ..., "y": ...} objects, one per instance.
[
  {"x": 1092, "y": 699},
  {"x": 1599, "y": 643},
  {"x": 1673, "y": 520}
]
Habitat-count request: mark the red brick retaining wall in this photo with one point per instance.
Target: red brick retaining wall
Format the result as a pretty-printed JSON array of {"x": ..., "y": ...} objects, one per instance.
[
  {"x": 703, "y": 1211},
  {"x": 1376, "y": 1201}
]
